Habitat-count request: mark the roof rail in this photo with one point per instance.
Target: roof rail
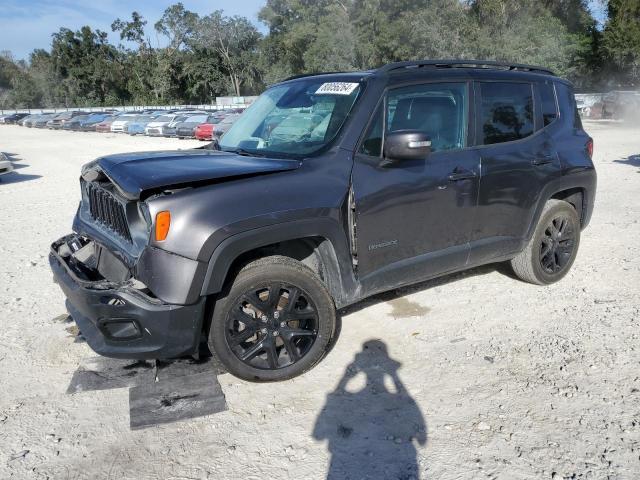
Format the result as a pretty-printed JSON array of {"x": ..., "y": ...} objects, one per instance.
[
  {"x": 303, "y": 75},
  {"x": 483, "y": 64}
]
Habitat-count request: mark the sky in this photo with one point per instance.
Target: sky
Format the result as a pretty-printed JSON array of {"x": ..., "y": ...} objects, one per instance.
[{"x": 28, "y": 24}]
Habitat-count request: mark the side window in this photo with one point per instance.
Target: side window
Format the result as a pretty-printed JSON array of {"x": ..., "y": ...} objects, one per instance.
[
  {"x": 568, "y": 107},
  {"x": 548, "y": 103},
  {"x": 438, "y": 109},
  {"x": 372, "y": 143},
  {"x": 506, "y": 111}
]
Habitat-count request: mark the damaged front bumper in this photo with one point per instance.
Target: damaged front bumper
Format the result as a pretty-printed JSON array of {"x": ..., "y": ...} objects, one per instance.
[{"x": 121, "y": 319}]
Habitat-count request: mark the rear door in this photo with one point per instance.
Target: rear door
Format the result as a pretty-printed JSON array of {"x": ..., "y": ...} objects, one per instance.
[{"x": 517, "y": 159}]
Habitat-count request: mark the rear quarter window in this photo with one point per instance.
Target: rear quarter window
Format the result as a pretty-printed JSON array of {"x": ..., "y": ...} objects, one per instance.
[
  {"x": 548, "y": 103},
  {"x": 568, "y": 106},
  {"x": 506, "y": 112}
]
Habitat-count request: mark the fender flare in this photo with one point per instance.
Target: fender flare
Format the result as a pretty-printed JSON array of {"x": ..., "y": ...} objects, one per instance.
[
  {"x": 585, "y": 180},
  {"x": 334, "y": 254}
]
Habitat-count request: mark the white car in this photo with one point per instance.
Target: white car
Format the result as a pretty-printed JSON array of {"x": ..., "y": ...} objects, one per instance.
[
  {"x": 5, "y": 164},
  {"x": 154, "y": 129},
  {"x": 118, "y": 125}
]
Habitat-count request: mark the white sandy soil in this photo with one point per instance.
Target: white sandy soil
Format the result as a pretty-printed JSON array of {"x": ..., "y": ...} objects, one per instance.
[{"x": 494, "y": 378}]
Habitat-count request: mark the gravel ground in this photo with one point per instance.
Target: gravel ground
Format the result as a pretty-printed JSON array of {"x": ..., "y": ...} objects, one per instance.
[{"x": 475, "y": 375}]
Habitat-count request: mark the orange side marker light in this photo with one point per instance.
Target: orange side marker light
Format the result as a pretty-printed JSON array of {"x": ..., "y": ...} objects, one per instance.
[{"x": 163, "y": 222}]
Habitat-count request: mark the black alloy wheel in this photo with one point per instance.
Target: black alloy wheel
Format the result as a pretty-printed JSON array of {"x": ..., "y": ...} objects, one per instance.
[
  {"x": 272, "y": 326},
  {"x": 273, "y": 321},
  {"x": 557, "y": 244},
  {"x": 552, "y": 249}
]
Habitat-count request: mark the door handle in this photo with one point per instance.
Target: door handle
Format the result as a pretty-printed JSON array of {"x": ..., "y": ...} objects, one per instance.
[
  {"x": 543, "y": 160},
  {"x": 458, "y": 175}
]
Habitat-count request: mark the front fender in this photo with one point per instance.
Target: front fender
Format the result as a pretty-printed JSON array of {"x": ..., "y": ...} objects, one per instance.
[{"x": 334, "y": 254}]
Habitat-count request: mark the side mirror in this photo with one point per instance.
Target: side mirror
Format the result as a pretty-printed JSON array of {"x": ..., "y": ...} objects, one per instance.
[{"x": 407, "y": 145}]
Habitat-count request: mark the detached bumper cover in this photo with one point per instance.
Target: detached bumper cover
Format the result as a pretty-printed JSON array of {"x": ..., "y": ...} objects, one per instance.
[{"x": 121, "y": 322}]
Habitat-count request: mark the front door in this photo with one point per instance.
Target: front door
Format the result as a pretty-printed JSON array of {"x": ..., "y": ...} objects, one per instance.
[{"x": 413, "y": 218}]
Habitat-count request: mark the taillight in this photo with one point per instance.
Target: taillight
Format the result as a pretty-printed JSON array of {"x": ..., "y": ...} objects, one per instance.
[
  {"x": 590, "y": 148},
  {"x": 163, "y": 222}
]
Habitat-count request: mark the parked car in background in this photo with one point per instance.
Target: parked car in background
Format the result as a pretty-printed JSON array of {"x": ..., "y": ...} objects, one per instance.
[
  {"x": 5, "y": 164},
  {"x": 154, "y": 128},
  {"x": 41, "y": 121},
  {"x": 25, "y": 120},
  {"x": 169, "y": 130},
  {"x": 139, "y": 123},
  {"x": 226, "y": 123},
  {"x": 187, "y": 128},
  {"x": 204, "y": 131},
  {"x": 30, "y": 122},
  {"x": 60, "y": 119},
  {"x": 74, "y": 123},
  {"x": 117, "y": 126},
  {"x": 89, "y": 123},
  {"x": 621, "y": 105},
  {"x": 13, "y": 117},
  {"x": 105, "y": 125}
]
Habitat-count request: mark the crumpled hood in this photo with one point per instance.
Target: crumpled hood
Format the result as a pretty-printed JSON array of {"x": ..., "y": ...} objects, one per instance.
[{"x": 135, "y": 173}]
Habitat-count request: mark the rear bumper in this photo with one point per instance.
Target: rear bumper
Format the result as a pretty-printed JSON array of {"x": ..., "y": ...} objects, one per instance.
[{"x": 120, "y": 321}]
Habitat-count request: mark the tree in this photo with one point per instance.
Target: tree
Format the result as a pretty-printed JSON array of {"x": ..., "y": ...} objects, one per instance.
[
  {"x": 523, "y": 31},
  {"x": 132, "y": 31},
  {"x": 177, "y": 24},
  {"x": 86, "y": 64},
  {"x": 235, "y": 41},
  {"x": 621, "y": 39}
]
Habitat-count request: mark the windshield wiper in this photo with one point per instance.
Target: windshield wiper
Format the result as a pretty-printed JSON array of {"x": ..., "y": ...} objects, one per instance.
[{"x": 245, "y": 153}]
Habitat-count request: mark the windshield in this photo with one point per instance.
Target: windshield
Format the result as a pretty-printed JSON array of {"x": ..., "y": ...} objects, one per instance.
[{"x": 296, "y": 118}]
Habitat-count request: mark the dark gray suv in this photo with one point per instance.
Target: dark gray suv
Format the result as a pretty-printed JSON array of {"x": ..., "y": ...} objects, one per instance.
[{"x": 330, "y": 188}]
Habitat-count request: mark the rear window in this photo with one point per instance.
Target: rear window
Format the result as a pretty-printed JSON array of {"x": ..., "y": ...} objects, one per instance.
[{"x": 506, "y": 111}]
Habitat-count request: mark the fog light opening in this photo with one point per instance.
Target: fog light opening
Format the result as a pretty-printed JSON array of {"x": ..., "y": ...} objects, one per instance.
[{"x": 121, "y": 329}]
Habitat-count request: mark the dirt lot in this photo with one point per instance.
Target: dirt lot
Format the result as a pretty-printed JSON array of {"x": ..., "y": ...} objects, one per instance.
[{"x": 473, "y": 376}]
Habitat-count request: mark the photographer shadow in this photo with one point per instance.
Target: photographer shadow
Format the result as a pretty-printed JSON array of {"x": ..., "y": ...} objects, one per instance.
[{"x": 372, "y": 431}]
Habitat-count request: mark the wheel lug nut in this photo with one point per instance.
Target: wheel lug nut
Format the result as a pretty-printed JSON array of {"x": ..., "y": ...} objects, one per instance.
[
  {"x": 283, "y": 324},
  {"x": 264, "y": 330},
  {"x": 275, "y": 333},
  {"x": 264, "y": 318},
  {"x": 276, "y": 314}
]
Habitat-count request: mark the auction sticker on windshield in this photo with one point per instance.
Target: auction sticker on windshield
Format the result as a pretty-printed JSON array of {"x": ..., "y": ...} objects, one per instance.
[{"x": 336, "y": 88}]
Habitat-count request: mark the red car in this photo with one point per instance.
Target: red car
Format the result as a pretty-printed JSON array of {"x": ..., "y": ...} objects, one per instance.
[
  {"x": 105, "y": 125},
  {"x": 204, "y": 131}
]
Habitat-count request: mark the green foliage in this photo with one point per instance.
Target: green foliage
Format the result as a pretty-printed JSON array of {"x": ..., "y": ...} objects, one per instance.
[
  {"x": 218, "y": 55},
  {"x": 235, "y": 41},
  {"x": 622, "y": 39}
]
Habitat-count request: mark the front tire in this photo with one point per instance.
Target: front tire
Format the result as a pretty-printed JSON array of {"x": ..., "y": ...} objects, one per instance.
[
  {"x": 553, "y": 247},
  {"x": 274, "y": 321}
]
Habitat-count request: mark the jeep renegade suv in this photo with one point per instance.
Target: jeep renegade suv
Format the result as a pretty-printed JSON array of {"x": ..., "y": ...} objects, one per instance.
[{"x": 330, "y": 188}]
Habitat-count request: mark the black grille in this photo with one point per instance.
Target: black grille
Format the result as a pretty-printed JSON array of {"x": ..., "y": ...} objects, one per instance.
[{"x": 107, "y": 210}]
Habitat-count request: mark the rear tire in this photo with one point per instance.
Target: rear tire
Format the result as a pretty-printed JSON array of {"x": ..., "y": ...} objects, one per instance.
[
  {"x": 258, "y": 335},
  {"x": 553, "y": 247}
]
